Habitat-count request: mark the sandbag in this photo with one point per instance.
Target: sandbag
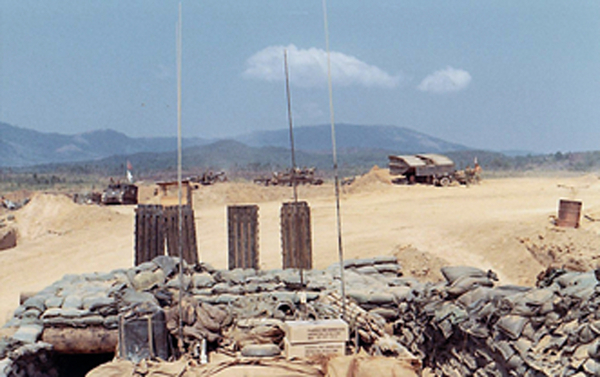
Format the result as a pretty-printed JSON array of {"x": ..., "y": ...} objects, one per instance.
[
  {"x": 125, "y": 368},
  {"x": 370, "y": 366},
  {"x": 261, "y": 350},
  {"x": 452, "y": 273},
  {"x": 512, "y": 325},
  {"x": 203, "y": 280},
  {"x": 261, "y": 367},
  {"x": 466, "y": 283}
]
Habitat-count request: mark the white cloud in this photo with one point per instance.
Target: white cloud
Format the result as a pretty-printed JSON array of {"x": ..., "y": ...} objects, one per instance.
[
  {"x": 445, "y": 80},
  {"x": 308, "y": 68}
]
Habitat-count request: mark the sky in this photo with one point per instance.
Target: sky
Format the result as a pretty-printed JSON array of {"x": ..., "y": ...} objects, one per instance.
[{"x": 495, "y": 74}]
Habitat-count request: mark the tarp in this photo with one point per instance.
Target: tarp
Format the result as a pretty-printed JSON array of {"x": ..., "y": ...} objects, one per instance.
[
  {"x": 248, "y": 367},
  {"x": 343, "y": 366},
  {"x": 371, "y": 366}
]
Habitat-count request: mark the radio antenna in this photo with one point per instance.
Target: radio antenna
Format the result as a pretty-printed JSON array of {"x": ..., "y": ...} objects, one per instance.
[
  {"x": 179, "y": 183},
  {"x": 289, "y": 109},
  {"x": 335, "y": 162}
]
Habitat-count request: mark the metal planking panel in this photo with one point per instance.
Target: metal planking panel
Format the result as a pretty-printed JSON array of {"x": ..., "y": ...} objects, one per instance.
[
  {"x": 189, "y": 243},
  {"x": 242, "y": 225},
  {"x": 192, "y": 250},
  {"x": 296, "y": 236},
  {"x": 149, "y": 233},
  {"x": 139, "y": 235}
]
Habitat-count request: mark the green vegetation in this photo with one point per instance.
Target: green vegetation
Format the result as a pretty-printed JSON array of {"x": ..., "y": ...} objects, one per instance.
[
  {"x": 11, "y": 180},
  {"x": 244, "y": 162}
]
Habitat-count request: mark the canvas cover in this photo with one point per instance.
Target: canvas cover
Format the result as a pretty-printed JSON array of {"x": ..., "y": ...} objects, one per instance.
[{"x": 342, "y": 366}]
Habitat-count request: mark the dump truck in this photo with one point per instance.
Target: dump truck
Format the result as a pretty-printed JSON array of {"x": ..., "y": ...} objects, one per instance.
[
  {"x": 120, "y": 193},
  {"x": 432, "y": 169},
  {"x": 304, "y": 176}
]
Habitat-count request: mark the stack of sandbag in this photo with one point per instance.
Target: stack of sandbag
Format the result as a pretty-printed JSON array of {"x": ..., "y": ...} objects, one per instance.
[
  {"x": 198, "y": 321},
  {"x": 482, "y": 330},
  {"x": 26, "y": 359},
  {"x": 465, "y": 325}
]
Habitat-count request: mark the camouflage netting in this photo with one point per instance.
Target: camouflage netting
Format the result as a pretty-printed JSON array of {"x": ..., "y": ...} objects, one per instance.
[{"x": 464, "y": 326}]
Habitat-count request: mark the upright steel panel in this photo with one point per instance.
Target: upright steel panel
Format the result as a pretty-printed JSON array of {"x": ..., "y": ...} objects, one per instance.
[
  {"x": 296, "y": 236},
  {"x": 155, "y": 224},
  {"x": 171, "y": 221},
  {"x": 149, "y": 233},
  {"x": 242, "y": 224}
]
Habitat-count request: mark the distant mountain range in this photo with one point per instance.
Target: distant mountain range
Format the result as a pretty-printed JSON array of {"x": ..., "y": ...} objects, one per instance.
[
  {"x": 23, "y": 147},
  {"x": 318, "y": 139}
]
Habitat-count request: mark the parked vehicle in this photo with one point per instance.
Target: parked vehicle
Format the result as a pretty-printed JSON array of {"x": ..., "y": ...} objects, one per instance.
[
  {"x": 120, "y": 193},
  {"x": 209, "y": 178},
  {"x": 304, "y": 176},
  {"x": 431, "y": 169}
]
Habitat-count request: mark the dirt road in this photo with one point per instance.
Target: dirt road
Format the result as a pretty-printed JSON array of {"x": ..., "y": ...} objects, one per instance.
[{"x": 495, "y": 225}]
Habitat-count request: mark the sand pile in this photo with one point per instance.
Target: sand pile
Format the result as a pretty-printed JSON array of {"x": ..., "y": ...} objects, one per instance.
[
  {"x": 573, "y": 249},
  {"x": 18, "y": 196},
  {"x": 421, "y": 265},
  {"x": 57, "y": 214},
  {"x": 248, "y": 193},
  {"x": 376, "y": 177}
]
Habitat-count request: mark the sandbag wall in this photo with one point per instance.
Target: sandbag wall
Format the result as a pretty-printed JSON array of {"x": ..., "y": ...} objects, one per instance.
[{"x": 464, "y": 326}]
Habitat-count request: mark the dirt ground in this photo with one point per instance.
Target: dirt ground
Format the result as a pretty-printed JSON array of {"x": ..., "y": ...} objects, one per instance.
[{"x": 501, "y": 224}]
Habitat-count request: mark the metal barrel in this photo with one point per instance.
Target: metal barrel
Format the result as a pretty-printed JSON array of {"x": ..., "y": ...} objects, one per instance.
[{"x": 569, "y": 213}]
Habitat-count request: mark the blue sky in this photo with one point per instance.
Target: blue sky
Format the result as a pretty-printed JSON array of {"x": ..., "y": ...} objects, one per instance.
[{"x": 498, "y": 75}]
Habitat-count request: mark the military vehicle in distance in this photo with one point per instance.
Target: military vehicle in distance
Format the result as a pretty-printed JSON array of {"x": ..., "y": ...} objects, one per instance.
[
  {"x": 209, "y": 178},
  {"x": 120, "y": 193},
  {"x": 304, "y": 176},
  {"x": 431, "y": 169}
]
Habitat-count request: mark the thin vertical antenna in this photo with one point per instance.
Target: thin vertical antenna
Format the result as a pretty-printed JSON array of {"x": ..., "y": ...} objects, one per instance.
[
  {"x": 179, "y": 183},
  {"x": 289, "y": 108},
  {"x": 294, "y": 183},
  {"x": 335, "y": 163}
]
